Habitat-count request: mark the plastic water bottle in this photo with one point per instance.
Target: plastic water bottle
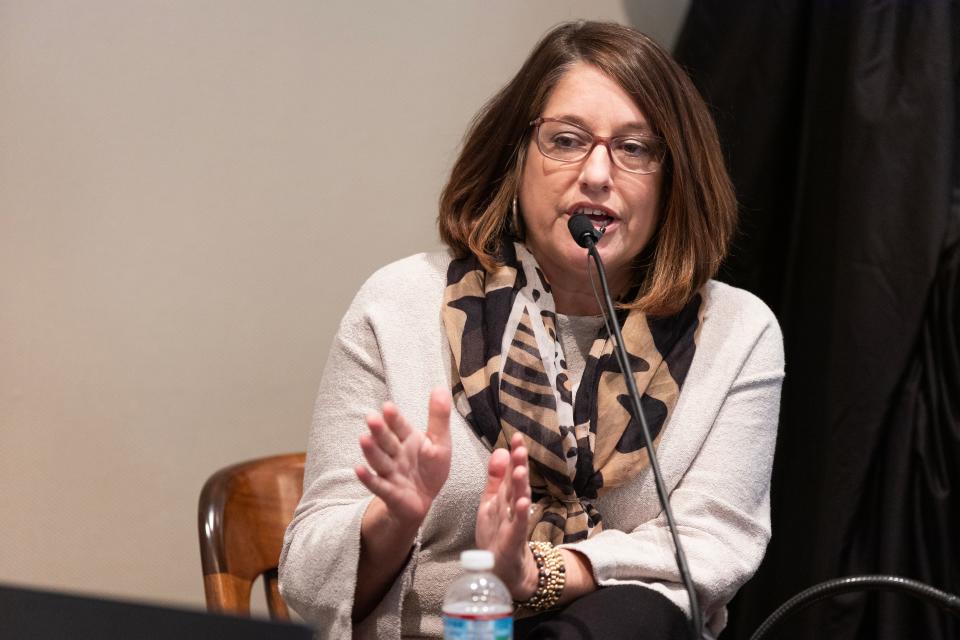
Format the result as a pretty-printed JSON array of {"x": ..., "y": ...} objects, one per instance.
[{"x": 478, "y": 605}]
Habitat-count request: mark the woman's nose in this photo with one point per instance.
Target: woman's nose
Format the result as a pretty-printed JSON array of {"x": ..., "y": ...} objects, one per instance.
[{"x": 595, "y": 173}]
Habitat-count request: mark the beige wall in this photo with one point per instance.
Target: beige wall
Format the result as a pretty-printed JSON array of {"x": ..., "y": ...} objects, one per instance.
[{"x": 190, "y": 193}]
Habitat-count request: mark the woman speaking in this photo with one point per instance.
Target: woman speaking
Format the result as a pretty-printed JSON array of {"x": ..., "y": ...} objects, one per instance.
[{"x": 472, "y": 398}]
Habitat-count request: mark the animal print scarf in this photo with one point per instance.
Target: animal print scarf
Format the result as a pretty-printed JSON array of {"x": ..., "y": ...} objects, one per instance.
[{"x": 510, "y": 376}]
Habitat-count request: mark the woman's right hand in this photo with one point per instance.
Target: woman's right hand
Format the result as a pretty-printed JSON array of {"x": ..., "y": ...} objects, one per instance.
[
  {"x": 409, "y": 466},
  {"x": 407, "y": 470}
]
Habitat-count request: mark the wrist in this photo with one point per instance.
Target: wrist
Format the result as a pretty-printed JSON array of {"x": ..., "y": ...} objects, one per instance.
[
  {"x": 404, "y": 525},
  {"x": 550, "y": 578},
  {"x": 394, "y": 524},
  {"x": 529, "y": 578}
]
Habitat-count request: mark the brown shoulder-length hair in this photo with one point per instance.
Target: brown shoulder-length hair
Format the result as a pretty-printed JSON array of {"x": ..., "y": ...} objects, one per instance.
[{"x": 698, "y": 209}]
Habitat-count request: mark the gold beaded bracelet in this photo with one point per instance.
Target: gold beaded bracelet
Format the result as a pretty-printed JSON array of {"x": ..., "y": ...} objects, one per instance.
[{"x": 552, "y": 577}]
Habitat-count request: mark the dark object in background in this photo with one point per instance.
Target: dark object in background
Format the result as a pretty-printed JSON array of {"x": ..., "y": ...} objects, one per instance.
[
  {"x": 29, "y": 614},
  {"x": 840, "y": 123}
]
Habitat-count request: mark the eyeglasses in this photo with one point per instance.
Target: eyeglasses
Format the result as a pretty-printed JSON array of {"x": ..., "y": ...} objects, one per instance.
[{"x": 567, "y": 142}]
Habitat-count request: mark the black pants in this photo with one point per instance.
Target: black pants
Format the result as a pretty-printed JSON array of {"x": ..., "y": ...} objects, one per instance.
[{"x": 609, "y": 613}]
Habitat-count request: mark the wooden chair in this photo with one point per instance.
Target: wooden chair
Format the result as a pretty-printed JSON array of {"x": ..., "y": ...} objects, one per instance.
[{"x": 244, "y": 511}]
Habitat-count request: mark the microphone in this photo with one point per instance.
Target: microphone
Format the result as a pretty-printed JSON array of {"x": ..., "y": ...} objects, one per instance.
[
  {"x": 587, "y": 236},
  {"x": 582, "y": 230}
]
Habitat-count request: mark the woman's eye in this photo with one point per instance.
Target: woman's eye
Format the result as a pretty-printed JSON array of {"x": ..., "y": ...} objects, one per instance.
[
  {"x": 634, "y": 148},
  {"x": 567, "y": 141}
]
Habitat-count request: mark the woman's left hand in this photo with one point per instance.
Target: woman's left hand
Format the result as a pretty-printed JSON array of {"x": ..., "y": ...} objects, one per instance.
[{"x": 503, "y": 517}]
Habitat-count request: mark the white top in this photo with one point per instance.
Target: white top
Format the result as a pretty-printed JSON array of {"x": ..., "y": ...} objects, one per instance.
[
  {"x": 577, "y": 334},
  {"x": 715, "y": 459}
]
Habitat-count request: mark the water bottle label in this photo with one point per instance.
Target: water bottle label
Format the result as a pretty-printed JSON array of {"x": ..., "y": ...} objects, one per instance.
[{"x": 460, "y": 628}]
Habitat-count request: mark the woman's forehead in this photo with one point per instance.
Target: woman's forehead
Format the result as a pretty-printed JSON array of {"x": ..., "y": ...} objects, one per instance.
[{"x": 586, "y": 96}]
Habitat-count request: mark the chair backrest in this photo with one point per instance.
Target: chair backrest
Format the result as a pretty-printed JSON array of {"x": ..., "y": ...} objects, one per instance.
[{"x": 244, "y": 511}]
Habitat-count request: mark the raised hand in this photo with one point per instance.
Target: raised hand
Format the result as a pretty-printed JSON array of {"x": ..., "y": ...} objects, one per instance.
[
  {"x": 503, "y": 517},
  {"x": 409, "y": 466}
]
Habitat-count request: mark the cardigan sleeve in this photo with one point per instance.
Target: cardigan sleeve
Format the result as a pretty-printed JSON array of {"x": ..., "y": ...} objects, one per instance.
[
  {"x": 721, "y": 505},
  {"x": 321, "y": 549}
]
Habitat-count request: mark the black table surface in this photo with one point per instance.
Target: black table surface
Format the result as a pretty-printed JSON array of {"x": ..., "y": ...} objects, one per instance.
[{"x": 44, "y": 615}]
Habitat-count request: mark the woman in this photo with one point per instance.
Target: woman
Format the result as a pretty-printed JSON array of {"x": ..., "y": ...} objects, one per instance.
[{"x": 537, "y": 452}]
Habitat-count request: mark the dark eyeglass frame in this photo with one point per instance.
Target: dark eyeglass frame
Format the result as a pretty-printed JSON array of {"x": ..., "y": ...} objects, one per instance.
[{"x": 600, "y": 140}]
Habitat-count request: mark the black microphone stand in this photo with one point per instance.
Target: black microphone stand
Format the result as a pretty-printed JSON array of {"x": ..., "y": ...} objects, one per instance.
[{"x": 586, "y": 236}]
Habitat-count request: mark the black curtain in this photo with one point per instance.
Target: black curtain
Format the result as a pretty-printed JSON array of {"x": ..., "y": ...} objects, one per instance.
[{"x": 839, "y": 122}]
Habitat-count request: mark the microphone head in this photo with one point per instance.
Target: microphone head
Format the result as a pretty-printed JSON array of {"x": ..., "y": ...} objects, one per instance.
[{"x": 582, "y": 230}]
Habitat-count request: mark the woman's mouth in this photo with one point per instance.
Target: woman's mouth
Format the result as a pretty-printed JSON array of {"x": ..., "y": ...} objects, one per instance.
[{"x": 600, "y": 218}]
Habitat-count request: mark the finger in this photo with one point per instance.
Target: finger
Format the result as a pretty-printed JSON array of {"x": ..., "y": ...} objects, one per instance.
[
  {"x": 496, "y": 470},
  {"x": 397, "y": 423},
  {"x": 376, "y": 458},
  {"x": 377, "y": 485},
  {"x": 438, "y": 420},
  {"x": 384, "y": 437},
  {"x": 520, "y": 478},
  {"x": 506, "y": 488},
  {"x": 504, "y": 498},
  {"x": 519, "y": 457},
  {"x": 516, "y": 440},
  {"x": 488, "y": 513},
  {"x": 517, "y": 530}
]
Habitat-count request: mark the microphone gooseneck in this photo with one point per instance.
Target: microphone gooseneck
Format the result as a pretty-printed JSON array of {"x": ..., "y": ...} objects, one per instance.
[{"x": 587, "y": 236}]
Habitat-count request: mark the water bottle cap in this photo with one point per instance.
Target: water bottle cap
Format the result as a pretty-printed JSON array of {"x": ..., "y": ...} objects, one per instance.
[{"x": 477, "y": 560}]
